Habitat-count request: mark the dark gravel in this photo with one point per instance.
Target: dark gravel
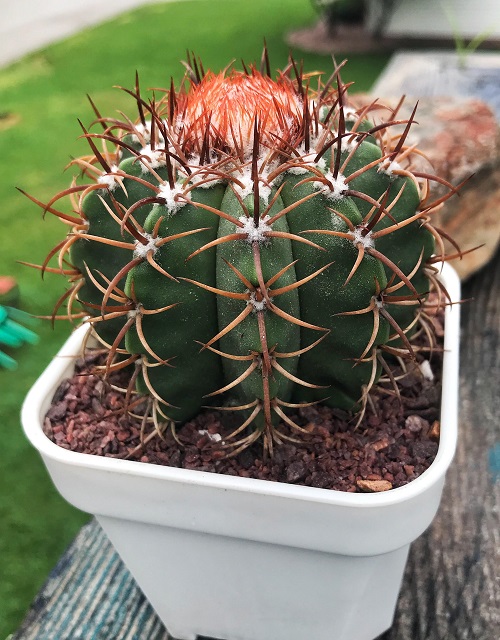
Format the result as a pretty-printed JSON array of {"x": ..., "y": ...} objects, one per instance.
[{"x": 388, "y": 449}]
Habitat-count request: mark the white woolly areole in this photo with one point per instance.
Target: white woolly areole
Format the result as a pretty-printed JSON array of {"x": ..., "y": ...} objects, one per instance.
[
  {"x": 133, "y": 313},
  {"x": 258, "y": 305},
  {"x": 169, "y": 195},
  {"x": 366, "y": 241},
  {"x": 200, "y": 176},
  {"x": 321, "y": 164},
  {"x": 199, "y": 181},
  {"x": 350, "y": 112},
  {"x": 108, "y": 179},
  {"x": 297, "y": 170},
  {"x": 350, "y": 143},
  {"x": 253, "y": 233},
  {"x": 265, "y": 192},
  {"x": 142, "y": 250},
  {"x": 389, "y": 168},
  {"x": 278, "y": 180},
  {"x": 337, "y": 189},
  {"x": 153, "y": 158},
  {"x": 305, "y": 163},
  {"x": 246, "y": 180},
  {"x": 143, "y": 131}
]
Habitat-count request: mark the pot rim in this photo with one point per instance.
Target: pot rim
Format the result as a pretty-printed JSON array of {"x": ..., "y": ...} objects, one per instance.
[{"x": 40, "y": 395}]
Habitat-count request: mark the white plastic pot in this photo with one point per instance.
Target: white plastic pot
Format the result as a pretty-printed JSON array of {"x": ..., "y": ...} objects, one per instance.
[{"x": 245, "y": 559}]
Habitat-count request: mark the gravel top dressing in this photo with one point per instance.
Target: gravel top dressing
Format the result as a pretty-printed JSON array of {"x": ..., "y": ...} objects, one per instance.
[{"x": 396, "y": 441}]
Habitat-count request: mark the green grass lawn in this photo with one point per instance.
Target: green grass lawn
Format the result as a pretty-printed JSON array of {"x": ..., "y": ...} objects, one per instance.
[{"x": 41, "y": 98}]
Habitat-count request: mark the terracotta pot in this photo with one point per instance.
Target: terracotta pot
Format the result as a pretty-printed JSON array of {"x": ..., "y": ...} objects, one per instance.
[{"x": 246, "y": 559}]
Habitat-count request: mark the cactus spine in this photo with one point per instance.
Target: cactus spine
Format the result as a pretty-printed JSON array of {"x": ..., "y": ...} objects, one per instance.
[{"x": 250, "y": 243}]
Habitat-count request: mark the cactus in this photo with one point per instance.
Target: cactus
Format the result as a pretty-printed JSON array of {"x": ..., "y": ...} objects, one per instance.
[{"x": 249, "y": 243}]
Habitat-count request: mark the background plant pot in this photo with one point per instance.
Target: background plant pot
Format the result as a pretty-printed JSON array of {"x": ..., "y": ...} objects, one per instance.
[{"x": 246, "y": 559}]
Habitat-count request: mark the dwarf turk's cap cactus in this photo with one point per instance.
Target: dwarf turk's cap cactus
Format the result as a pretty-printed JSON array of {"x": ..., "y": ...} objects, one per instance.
[{"x": 252, "y": 243}]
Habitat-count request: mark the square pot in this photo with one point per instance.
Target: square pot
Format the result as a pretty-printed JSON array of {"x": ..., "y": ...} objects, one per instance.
[{"x": 245, "y": 559}]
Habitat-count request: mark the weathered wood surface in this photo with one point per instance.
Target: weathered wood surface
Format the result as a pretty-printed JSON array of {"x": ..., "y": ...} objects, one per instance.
[{"x": 450, "y": 589}]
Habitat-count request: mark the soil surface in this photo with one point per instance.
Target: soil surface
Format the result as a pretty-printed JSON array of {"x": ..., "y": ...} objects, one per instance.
[{"x": 395, "y": 442}]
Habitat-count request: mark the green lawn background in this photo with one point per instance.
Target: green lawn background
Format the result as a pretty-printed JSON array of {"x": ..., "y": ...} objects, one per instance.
[{"x": 41, "y": 98}]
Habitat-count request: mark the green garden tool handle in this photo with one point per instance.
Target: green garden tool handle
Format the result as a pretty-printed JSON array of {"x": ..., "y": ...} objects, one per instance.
[{"x": 13, "y": 334}]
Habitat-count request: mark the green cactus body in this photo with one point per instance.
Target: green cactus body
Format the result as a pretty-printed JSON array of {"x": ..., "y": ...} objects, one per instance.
[
  {"x": 247, "y": 254},
  {"x": 172, "y": 334},
  {"x": 411, "y": 245},
  {"x": 325, "y": 298},
  {"x": 261, "y": 329},
  {"x": 105, "y": 261}
]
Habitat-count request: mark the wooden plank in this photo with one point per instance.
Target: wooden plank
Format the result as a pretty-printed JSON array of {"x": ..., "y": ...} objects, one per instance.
[
  {"x": 450, "y": 590},
  {"x": 90, "y": 595}
]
